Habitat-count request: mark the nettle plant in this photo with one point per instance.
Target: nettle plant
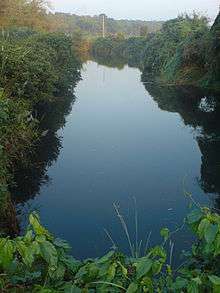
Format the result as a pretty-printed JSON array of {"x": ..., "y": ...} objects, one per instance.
[{"x": 38, "y": 262}]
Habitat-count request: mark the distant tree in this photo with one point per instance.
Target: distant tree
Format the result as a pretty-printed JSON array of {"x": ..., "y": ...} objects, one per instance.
[
  {"x": 144, "y": 31},
  {"x": 29, "y": 13},
  {"x": 120, "y": 36}
]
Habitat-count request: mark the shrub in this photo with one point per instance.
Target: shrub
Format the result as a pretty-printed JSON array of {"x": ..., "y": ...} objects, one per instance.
[{"x": 38, "y": 262}]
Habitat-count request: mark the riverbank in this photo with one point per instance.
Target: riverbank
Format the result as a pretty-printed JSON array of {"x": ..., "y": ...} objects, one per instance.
[
  {"x": 184, "y": 52},
  {"x": 37, "y": 69}
]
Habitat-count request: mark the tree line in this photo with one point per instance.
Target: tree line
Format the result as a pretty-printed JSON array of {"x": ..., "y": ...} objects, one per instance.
[{"x": 184, "y": 51}]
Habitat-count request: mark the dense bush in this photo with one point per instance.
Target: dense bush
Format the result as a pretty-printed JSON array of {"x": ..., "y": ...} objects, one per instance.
[
  {"x": 17, "y": 132},
  {"x": 37, "y": 67},
  {"x": 183, "y": 52},
  {"x": 38, "y": 262}
]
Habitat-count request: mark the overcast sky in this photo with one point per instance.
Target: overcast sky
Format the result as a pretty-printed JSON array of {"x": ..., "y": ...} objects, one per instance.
[{"x": 137, "y": 9}]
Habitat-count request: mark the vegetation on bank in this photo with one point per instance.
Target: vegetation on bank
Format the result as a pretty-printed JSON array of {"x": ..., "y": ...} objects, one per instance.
[
  {"x": 40, "y": 65},
  {"x": 37, "y": 67},
  {"x": 185, "y": 51},
  {"x": 39, "y": 262}
]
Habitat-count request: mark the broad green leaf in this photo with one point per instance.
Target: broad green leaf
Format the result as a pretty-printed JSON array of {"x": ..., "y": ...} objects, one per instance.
[
  {"x": 211, "y": 232},
  {"x": 26, "y": 253},
  {"x": 193, "y": 287},
  {"x": 197, "y": 280},
  {"x": 61, "y": 243},
  {"x": 195, "y": 216},
  {"x": 180, "y": 283},
  {"x": 143, "y": 267},
  {"x": 203, "y": 226},
  {"x": 111, "y": 272},
  {"x": 49, "y": 253},
  {"x": 215, "y": 280},
  {"x": 106, "y": 257},
  {"x": 156, "y": 267},
  {"x": 133, "y": 288},
  {"x": 59, "y": 273},
  {"x": 72, "y": 289},
  {"x": 7, "y": 250},
  {"x": 38, "y": 229},
  {"x": 158, "y": 251},
  {"x": 148, "y": 283}
]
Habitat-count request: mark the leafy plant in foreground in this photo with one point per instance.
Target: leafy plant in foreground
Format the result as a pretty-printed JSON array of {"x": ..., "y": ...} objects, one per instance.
[{"x": 39, "y": 262}]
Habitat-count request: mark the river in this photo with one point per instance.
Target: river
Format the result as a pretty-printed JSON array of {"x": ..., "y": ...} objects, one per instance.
[{"x": 125, "y": 142}]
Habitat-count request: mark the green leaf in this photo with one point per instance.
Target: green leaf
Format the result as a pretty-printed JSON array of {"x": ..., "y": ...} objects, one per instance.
[
  {"x": 59, "y": 273},
  {"x": 197, "y": 280},
  {"x": 48, "y": 253},
  {"x": 6, "y": 252},
  {"x": 69, "y": 288},
  {"x": 180, "y": 283},
  {"x": 38, "y": 229},
  {"x": 26, "y": 253},
  {"x": 203, "y": 226},
  {"x": 143, "y": 267},
  {"x": 158, "y": 251},
  {"x": 148, "y": 283},
  {"x": 61, "y": 244},
  {"x": 111, "y": 272},
  {"x": 211, "y": 232},
  {"x": 165, "y": 233},
  {"x": 215, "y": 280},
  {"x": 123, "y": 269},
  {"x": 195, "y": 216},
  {"x": 156, "y": 267},
  {"x": 133, "y": 288},
  {"x": 193, "y": 287},
  {"x": 106, "y": 257}
]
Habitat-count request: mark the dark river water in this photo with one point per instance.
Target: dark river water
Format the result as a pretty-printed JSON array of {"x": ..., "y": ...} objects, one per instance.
[{"x": 123, "y": 141}]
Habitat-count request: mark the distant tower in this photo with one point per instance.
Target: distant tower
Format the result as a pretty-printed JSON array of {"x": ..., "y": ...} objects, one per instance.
[{"x": 103, "y": 17}]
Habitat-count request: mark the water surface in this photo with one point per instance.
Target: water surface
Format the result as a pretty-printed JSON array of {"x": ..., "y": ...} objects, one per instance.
[{"x": 124, "y": 139}]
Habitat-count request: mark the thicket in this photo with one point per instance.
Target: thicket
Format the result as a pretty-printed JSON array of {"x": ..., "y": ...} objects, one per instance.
[{"x": 35, "y": 68}]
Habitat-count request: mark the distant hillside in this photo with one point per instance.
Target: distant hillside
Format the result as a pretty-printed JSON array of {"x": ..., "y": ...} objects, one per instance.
[{"x": 92, "y": 25}]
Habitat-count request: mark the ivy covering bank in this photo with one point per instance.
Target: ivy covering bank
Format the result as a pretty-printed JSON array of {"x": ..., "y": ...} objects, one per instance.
[{"x": 39, "y": 262}]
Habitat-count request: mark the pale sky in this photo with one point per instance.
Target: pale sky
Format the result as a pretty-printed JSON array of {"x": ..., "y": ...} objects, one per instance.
[{"x": 138, "y": 9}]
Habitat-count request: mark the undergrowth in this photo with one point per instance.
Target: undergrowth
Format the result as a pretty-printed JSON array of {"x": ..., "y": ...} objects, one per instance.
[{"x": 39, "y": 262}]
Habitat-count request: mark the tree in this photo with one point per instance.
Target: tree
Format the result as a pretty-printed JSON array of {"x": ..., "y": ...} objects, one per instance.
[
  {"x": 143, "y": 31},
  {"x": 29, "y": 13}
]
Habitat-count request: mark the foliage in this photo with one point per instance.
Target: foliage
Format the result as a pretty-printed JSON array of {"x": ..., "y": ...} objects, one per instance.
[
  {"x": 33, "y": 14},
  {"x": 129, "y": 50},
  {"x": 184, "y": 51},
  {"x": 38, "y": 262},
  {"x": 37, "y": 67},
  {"x": 92, "y": 25},
  {"x": 17, "y": 132}
]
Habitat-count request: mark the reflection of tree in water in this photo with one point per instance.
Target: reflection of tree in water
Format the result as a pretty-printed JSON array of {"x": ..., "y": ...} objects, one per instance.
[
  {"x": 30, "y": 177},
  {"x": 201, "y": 110},
  {"x": 118, "y": 63}
]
